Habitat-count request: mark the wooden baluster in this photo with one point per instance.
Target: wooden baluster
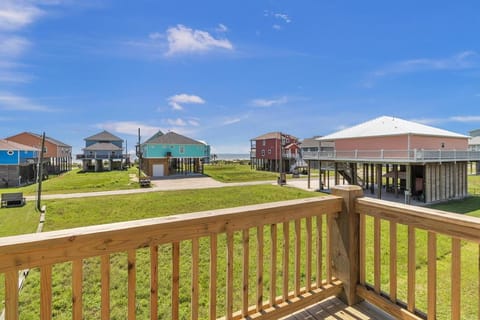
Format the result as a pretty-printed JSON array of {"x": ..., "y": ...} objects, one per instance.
[
  {"x": 393, "y": 262},
  {"x": 195, "y": 277},
  {"x": 286, "y": 249},
  {"x": 77, "y": 280},
  {"x": 245, "y": 267},
  {"x": 362, "y": 253},
  {"x": 11, "y": 295},
  {"x": 319, "y": 250},
  {"x": 376, "y": 254},
  {"x": 132, "y": 283},
  {"x": 298, "y": 250},
  {"x": 328, "y": 255},
  {"x": 273, "y": 264},
  {"x": 105, "y": 284},
  {"x": 456, "y": 278},
  {"x": 229, "y": 305},
  {"x": 411, "y": 270},
  {"x": 46, "y": 292},
  {"x": 478, "y": 282},
  {"x": 175, "y": 279},
  {"x": 153, "y": 282},
  {"x": 260, "y": 268},
  {"x": 432, "y": 276},
  {"x": 309, "y": 249},
  {"x": 213, "y": 277}
]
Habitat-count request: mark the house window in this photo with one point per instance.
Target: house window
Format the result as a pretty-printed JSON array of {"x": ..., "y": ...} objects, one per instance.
[
  {"x": 269, "y": 151},
  {"x": 263, "y": 153},
  {"x": 182, "y": 149},
  {"x": 264, "y": 143},
  {"x": 10, "y": 152}
]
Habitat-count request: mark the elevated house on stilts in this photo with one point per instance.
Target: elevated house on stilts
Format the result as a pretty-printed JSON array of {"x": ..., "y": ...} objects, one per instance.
[{"x": 400, "y": 157}]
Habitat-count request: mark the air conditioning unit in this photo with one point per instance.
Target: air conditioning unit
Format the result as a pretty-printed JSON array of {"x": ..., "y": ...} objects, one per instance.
[{"x": 168, "y": 154}]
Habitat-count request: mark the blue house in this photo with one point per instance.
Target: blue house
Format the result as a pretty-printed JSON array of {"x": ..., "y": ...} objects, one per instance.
[
  {"x": 17, "y": 164},
  {"x": 103, "y": 152},
  {"x": 171, "y": 153}
]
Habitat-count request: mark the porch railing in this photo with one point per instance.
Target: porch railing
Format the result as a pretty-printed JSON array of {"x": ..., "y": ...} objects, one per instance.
[
  {"x": 266, "y": 261},
  {"x": 272, "y": 243}
]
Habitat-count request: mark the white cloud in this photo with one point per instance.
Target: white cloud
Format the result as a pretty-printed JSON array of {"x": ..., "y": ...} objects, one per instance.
[
  {"x": 177, "y": 122},
  {"x": 283, "y": 17},
  {"x": 182, "y": 39},
  {"x": 277, "y": 27},
  {"x": 178, "y": 100},
  {"x": 13, "y": 46},
  {"x": 17, "y": 14},
  {"x": 129, "y": 127},
  {"x": 231, "y": 121},
  {"x": 463, "y": 60},
  {"x": 466, "y": 118},
  {"x": 155, "y": 35},
  {"x": 194, "y": 123},
  {"x": 13, "y": 102},
  {"x": 269, "y": 102},
  {"x": 221, "y": 28}
]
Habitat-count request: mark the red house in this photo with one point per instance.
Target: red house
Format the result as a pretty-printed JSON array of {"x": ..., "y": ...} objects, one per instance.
[{"x": 274, "y": 151}]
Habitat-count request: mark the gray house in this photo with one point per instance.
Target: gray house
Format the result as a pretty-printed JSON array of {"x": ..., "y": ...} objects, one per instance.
[{"x": 103, "y": 152}]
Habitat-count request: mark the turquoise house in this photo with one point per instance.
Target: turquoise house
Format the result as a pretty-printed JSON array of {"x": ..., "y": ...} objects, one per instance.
[{"x": 172, "y": 153}]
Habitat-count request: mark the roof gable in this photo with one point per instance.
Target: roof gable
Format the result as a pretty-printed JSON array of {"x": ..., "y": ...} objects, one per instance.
[
  {"x": 104, "y": 136},
  {"x": 10, "y": 145},
  {"x": 389, "y": 126},
  {"x": 155, "y": 136},
  {"x": 103, "y": 146},
  {"x": 172, "y": 138},
  {"x": 274, "y": 135}
]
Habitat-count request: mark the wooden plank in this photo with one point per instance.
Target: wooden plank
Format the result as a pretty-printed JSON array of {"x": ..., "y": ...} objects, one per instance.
[
  {"x": 362, "y": 253},
  {"x": 456, "y": 278},
  {"x": 376, "y": 255},
  {"x": 273, "y": 264},
  {"x": 411, "y": 269},
  {"x": 11, "y": 295},
  {"x": 319, "y": 242},
  {"x": 309, "y": 251},
  {"x": 153, "y": 282},
  {"x": 260, "y": 244},
  {"x": 77, "y": 281},
  {"x": 213, "y": 277},
  {"x": 229, "y": 296},
  {"x": 441, "y": 222},
  {"x": 105, "y": 284},
  {"x": 175, "y": 280},
  {"x": 328, "y": 254},
  {"x": 195, "y": 277},
  {"x": 298, "y": 250},
  {"x": 46, "y": 292},
  {"x": 25, "y": 251},
  {"x": 386, "y": 305},
  {"x": 245, "y": 267},
  {"x": 132, "y": 283},
  {"x": 286, "y": 250},
  {"x": 432, "y": 276},
  {"x": 393, "y": 262}
]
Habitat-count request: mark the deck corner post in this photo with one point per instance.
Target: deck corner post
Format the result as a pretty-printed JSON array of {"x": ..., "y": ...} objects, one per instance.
[{"x": 344, "y": 241}]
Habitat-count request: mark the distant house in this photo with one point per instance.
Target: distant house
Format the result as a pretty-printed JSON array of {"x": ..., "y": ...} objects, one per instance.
[
  {"x": 274, "y": 151},
  {"x": 388, "y": 154},
  {"x": 474, "y": 145},
  {"x": 103, "y": 152},
  {"x": 312, "y": 145},
  {"x": 57, "y": 155},
  {"x": 171, "y": 153},
  {"x": 17, "y": 164}
]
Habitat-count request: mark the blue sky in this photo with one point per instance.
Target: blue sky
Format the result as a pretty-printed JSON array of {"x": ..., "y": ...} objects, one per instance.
[{"x": 227, "y": 71}]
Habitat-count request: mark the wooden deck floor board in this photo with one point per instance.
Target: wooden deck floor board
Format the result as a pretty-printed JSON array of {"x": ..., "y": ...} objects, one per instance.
[{"x": 334, "y": 309}]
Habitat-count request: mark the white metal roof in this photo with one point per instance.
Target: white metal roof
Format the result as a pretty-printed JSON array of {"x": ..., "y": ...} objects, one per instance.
[
  {"x": 389, "y": 126},
  {"x": 474, "y": 141}
]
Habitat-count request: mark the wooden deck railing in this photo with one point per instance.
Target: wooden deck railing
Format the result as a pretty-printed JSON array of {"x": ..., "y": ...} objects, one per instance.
[
  {"x": 291, "y": 239},
  {"x": 264, "y": 261},
  {"x": 431, "y": 236}
]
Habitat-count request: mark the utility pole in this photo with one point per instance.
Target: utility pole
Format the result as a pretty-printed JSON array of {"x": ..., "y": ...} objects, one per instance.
[
  {"x": 139, "y": 155},
  {"x": 40, "y": 174}
]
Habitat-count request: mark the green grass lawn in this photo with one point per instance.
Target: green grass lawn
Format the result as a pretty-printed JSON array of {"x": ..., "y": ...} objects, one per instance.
[
  {"x": 78, "y": 181},
  {"x": 238, "y": 173}
]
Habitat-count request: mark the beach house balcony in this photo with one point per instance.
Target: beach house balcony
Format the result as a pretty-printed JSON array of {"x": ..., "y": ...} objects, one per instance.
[{"x": 263, "y": 261}]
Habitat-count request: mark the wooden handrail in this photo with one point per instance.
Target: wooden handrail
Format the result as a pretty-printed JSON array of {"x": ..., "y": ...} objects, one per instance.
[{"x": 75, "y": 245}]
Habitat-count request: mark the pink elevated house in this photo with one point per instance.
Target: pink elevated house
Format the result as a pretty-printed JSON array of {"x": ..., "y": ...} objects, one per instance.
[{"x": 400, "y": 156}]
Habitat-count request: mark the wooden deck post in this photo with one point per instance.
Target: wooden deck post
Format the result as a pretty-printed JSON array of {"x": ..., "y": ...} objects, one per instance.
[{"x": 345, "y": 240}]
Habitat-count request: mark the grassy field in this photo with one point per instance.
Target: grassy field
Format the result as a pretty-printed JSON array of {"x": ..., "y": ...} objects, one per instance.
[
  {"x": 238, "y": 173},
  {"x": 78, "y": 181}
]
